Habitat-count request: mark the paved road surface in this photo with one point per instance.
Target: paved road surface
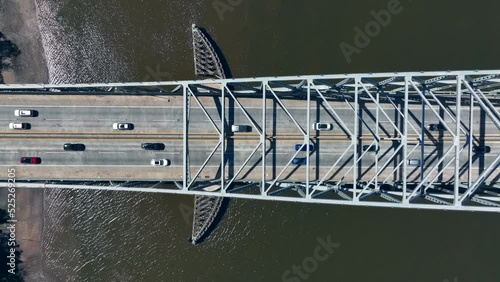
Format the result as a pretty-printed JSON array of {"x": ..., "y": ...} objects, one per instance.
[{"x": 118, "y": 155}]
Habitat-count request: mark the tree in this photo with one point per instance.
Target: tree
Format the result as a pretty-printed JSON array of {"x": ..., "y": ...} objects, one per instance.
[
  {"x": 4, "y": 216},
  {"x": 8, "y": 51}
]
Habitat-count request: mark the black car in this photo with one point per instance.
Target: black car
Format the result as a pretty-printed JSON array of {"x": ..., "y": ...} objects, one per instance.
[
  {"x": 153, "y": 146},
  {"x": 373, "y": 148},
  {"x": 299, "y": 161},
  {"x": 481, "y": 149},
  {"x": 74, "y": 147},
  {"x": 435, "y": 127}
]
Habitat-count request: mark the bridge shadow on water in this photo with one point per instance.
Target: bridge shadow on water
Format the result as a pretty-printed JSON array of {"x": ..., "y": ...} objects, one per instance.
[
  {"x": 225, "y": 66},
  {"x": 229, "y": 158},
  {"x": 218, "y": 218}
]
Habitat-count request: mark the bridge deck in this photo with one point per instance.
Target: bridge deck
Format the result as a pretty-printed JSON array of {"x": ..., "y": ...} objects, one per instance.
[{"x": 390, "y": 111}]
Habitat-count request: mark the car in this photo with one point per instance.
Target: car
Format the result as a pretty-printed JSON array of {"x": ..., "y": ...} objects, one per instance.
[
  {"x": 435, "y": 127},
  {"x": 19, "y": 125},
  {"x": 299, "y": 161},
  {"x": 73, "y": 147},
  {"x": 369, "y": 148},
  {"x": 153, "y": 146},
  {"x": 24, "y": 113},
  {"x": 298, "y": 147},
  {"x": 414, "y": 162},
  {"x": 30, "y": 160},
  {"x": 241, "y": 128},
  {"x": 123, "y": 126},
  {"x": 160, "y": 162},
  {"x": 481, "y": 149},
  {"x": 322, "y": 126}
]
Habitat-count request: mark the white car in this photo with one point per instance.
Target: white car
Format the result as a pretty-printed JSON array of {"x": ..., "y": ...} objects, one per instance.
[
  {"x": 414, "y": 162},
  {"x": 19, "y": 125},
  {"x": 123, "y": 126},
  {"x": 322, "y": 126},
  {"x": 23, "y": 113},
  {"x": 241, "y": 128},
  {"x": 160, "y": 162}
]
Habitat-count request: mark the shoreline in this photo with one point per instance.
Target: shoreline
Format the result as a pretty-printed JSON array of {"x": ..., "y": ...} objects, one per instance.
[{"x": 18, "y": 22}]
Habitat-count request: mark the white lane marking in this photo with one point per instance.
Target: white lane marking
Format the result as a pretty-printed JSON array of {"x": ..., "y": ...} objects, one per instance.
[
  {"x": 61, "y": 119},
  {"x": 68, "y": 165},
  {"x": 148, "y": 165},
  {"x": 111, "y": 152},
  {"x": 175, "y": 120},
  {"x": 174, "y": 107},
  {"x": 90, "y": 106}
]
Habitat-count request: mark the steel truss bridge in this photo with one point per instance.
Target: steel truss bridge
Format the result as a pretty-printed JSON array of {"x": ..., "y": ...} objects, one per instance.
[{"x": 382, "y": 132}]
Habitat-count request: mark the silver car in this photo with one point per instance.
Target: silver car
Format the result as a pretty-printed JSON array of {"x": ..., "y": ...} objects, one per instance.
[
  {"x": 123, "y": 126},
  {"x": 414, "y": 162},
  {"x": 160, "y": 162},
  {"x": 322, "y": 126},
  {"x": 23, "y": 113},
  {"x": 241, "y": 128},
  {"x": 19, "y": 125}
]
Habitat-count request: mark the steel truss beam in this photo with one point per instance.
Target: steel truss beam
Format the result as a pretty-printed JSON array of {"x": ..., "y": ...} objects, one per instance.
[{"x": 394, "y": 183}]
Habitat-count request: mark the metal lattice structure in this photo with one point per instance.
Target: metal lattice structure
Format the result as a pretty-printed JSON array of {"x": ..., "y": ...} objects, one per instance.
[
  {"x": 455, "y": 177},
  {"x": 206, "y": 61}
]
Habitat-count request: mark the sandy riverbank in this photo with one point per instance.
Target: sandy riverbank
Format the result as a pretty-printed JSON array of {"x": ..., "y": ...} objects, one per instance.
[{"x": 19, "y": 24}]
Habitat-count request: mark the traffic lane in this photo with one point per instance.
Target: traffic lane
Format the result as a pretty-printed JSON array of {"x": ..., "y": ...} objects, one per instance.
[
  {"x": 90, "y": 100},
  {"x": 141, "y": 162},
  {"x": 98, "y": 119},
  {"x": 97, "y": 152},
  {"x": 101, "y": 119},
  {"x": 115, "y": 152},
  {"x": 95, "y": 126},
  {"x": 104, "y": 152},
  {"x": 276, "y": 119}
]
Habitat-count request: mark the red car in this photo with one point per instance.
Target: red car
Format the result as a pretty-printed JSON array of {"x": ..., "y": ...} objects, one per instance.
[{"x": 30, "y": 160}]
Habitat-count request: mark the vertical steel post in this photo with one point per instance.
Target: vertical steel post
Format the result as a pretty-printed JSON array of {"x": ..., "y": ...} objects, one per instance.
[
  {"x": 223, "y": 139},
  {"x": 308, "y": 136},
  {"x": 377, "y": 133},
  {"x": 470, "y": 141},
  {"x": 185, "y": 137},
  {"x": 456, "y": 139},
  {"x": 263, "y": 138},
  {"x": 404, "y": 139},
  {"x": 355, "y": 139}
]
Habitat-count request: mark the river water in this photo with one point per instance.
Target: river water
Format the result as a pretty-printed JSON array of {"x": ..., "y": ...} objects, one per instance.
[{"x": 115, "y": 236}]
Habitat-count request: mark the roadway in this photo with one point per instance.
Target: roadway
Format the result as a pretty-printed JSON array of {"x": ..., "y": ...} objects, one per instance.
[{"x": 117, "y": 155}]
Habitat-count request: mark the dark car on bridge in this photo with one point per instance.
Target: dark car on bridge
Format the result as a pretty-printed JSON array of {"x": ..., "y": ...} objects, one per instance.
[
  {"x": 74, "y": 147},
  {"x": 304, "y": 148},
  {"x": 30, "y": 160},
  {"x": 435, "y": 127},
  {"x": 481, "y": 149},
  {"x": 299, "y": 161},
  {"x": 153, "y": 146},
  {"x": 372, "y": 148}
]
